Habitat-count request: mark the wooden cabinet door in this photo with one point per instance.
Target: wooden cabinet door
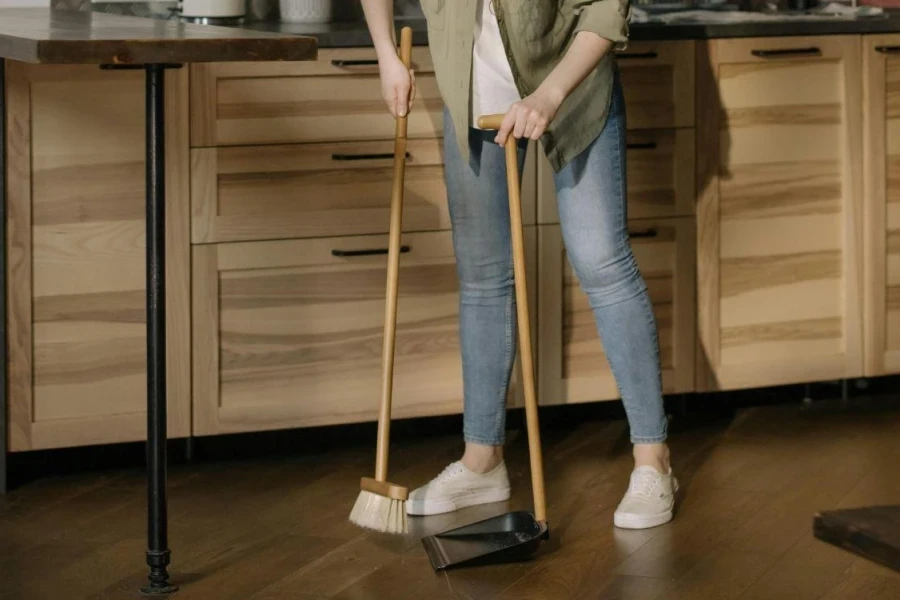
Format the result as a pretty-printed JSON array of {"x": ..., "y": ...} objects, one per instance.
[
  {"x": 779, "y": 212},
  {"x": 313, "y": 190},
  {"x": 335, "y": 98},
  {"x": 882, "y": 211},
  {"x": 573, "y": 365},
  {"x": 76, "y": 286},
  {"x": 289, "y": 333}
]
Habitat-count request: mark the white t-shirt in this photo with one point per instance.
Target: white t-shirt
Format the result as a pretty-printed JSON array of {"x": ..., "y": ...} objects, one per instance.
[{"x": 493, "y": 87}]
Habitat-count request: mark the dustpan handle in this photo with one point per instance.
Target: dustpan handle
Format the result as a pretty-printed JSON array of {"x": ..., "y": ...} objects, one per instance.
[
  {"x": 393, "y": 278},
  {"x": 522, "y": 312}
]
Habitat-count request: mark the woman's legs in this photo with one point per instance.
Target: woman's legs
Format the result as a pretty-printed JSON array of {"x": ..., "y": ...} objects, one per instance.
[
  {"x": 591, "y": 192},
  {"x": 479, "y": 211}
]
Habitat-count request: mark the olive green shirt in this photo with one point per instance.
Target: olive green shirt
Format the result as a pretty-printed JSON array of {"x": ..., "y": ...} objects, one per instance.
[{"x": 536, "y": 35}]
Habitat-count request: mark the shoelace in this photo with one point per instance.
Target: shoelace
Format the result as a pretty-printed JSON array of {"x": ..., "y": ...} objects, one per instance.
[
  {"x": 452, "y": 471},
  {"x": 643, "y": 483}
]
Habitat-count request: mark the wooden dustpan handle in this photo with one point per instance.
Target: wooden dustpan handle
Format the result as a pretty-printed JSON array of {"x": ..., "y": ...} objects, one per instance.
[
  {"x": 393, "y": 279},
  {"x": 522, "y": 312}
]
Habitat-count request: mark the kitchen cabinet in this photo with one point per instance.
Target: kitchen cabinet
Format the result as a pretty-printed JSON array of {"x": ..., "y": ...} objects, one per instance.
[
  {"x": 573, "y": 364},
  {"x": 882, "y": 214},
  {"x": 779, "y": 213},
  {"x": 75, "y": 219}
]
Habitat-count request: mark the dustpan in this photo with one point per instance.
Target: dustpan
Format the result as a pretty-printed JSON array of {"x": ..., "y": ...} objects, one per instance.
[
  {"x": 512, "y": 537},
  {"x": 517, "y": 535}
]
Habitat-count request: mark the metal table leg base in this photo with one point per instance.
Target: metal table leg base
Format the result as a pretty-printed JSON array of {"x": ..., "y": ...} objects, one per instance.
[{"x": 159, "y": 575}]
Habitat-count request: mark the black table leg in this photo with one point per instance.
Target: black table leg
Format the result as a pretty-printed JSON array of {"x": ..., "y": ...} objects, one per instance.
[
  {"x": 158, "y": 553},
  {"x": 4, "y": 404}
]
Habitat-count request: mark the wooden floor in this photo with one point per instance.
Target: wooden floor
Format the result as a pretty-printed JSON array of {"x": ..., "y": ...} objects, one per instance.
[{"x": 276, "y": 529}]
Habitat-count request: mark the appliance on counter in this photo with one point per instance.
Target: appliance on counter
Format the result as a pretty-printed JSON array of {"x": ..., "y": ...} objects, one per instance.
[
  {"x": 212, "y": 12},
  {"x": 306, "y": 11}
]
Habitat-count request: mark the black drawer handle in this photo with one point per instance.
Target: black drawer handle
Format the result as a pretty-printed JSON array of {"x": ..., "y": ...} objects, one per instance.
[
  {"x": 371, "y": 62},
  {"x": 641, "y": 145},
  {"x": 786, "y": 52},
  {"x": 634, "y": 55},
  {"x": 888, "y": 49},
  {"x": 366, "y": 252},
  {"x": 648, "y": 233},
  {"x": 384, "y": 156}
]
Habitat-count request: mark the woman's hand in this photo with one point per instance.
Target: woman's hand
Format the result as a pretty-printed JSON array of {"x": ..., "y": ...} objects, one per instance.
[
  {"x": 398, "y": 86},
  {"x": 530, "y": 117}
]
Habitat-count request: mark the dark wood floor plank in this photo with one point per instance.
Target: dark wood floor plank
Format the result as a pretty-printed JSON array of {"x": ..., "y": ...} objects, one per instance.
[{"x": 723, "y": 575}]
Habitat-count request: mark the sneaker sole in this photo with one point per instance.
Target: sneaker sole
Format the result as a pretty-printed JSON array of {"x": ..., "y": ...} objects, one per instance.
[
  {"x": 642, "y": 521},
  {"x": 440, "y": 507}
]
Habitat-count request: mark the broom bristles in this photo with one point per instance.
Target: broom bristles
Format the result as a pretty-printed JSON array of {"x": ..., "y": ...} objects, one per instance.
[{"x": 380, "y": 513}]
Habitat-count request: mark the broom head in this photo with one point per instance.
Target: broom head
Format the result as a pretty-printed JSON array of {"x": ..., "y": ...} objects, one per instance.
[{"x": 381, "y": 506}]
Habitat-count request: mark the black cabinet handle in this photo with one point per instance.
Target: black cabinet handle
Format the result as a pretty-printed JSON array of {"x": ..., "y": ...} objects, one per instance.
[
  {"x": 365, "y": 252},
  {"x": 786, "y": 52},
  {"x": 384, "y": 156},
  {"x": 633, "y": 55},
  {"x": 888, "y": 49},
  {"x": 371, "y": 62},
  {"x": 641, "y": 145},
  {"x": 648, "y": 233}
]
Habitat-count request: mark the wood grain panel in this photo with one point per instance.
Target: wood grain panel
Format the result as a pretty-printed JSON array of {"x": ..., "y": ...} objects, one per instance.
[
  {"x": 81, "y": 296},
  {"x": 291, "y": 321},
  {"x": 882, "y": 210},
  {"x": 278, "y": 192},
  {"x": 573, "y": 363},
  {"x": 19, "y": 259},
  {"x": 658, "y": 80},
  {"x": 781, "y": 217},
  {"x": 660, "y": 176},
  {"x": 277, "y": 103}
]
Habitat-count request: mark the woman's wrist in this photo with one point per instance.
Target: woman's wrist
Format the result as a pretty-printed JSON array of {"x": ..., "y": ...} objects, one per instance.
[{"x": 552, "y": 92}]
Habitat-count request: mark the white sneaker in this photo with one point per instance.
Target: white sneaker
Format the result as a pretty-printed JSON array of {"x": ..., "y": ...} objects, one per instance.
[
  {"x": 457, "y": 487},
  {"x": 649, "y": 501}
]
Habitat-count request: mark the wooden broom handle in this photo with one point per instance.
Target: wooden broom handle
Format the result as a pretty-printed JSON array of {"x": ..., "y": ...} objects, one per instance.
[
  {"x": 525, "y": 352},
  {"x": 393, "y": 278}
]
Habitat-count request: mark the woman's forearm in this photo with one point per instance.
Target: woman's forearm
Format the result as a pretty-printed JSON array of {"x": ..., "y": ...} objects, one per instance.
[
  {"x": 582, "y": 57},
  {"x": 380, "y": 17}
]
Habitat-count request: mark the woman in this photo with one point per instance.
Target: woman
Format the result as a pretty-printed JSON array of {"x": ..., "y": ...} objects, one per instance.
[{"x": 548, "y": 65}]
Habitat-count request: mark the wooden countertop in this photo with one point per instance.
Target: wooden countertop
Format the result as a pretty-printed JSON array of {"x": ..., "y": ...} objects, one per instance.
[{"x": 43, "y": 35}]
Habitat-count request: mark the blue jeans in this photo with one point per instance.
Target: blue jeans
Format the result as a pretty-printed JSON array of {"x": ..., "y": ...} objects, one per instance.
[{"x": 593, "y": 219}]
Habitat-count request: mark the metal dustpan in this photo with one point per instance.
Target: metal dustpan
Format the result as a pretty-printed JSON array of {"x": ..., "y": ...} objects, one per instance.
[
  {"x": 516, "y": 535},
  {"x": 511, "y": 537}
]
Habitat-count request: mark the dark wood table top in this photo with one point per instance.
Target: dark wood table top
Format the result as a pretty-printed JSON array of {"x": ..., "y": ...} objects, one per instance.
[
  {"x": 872, "y": 532},
  {"x": 43, "y": 35}
]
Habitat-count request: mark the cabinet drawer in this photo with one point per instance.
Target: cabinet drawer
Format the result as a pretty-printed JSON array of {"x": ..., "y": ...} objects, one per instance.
[
  {"x": 572, "y": 360},
  {"x": 313, "y": 190},
  {"x": 660, "y": 176},
  {"x": 337, "y": 98},
  {"x": 287, "y": 334},
  {"x": 658, "y": 80}
]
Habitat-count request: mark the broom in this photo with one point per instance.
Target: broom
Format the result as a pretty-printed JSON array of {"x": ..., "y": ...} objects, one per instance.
[{"x": 381, "y": 505}]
